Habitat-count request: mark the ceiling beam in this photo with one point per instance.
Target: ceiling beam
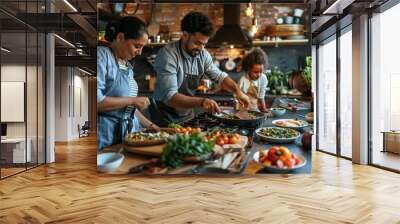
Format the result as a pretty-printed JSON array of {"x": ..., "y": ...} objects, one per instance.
[{"x": 78, "y": 61}]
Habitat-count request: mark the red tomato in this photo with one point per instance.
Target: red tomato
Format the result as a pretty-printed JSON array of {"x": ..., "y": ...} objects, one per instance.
[
  {"x": 198, "y": 130},
  {"x": 216, "y": 133},
  {"x": 189, "y": 129},
  {"x": 220, "y": 142},
  {"x": 288, "y": 163},
  {"x": 183, "y": 130},
  {"x": 236, "y": 135},
  {"x": 272, "y": 150},
  {"x": 298, "y": 161},
  {"x": 273, "y": 157},
  {"x": 225, "y": 138},
  {"x": 233, "y": 140}
]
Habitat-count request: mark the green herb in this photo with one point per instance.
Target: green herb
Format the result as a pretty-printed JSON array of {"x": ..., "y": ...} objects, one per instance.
[
  {"x": 173, "y": 125},
  {"x": 185, "y": 145},
  {"x": 279, "y": 132},
  {"x": 307, "y": 73}
]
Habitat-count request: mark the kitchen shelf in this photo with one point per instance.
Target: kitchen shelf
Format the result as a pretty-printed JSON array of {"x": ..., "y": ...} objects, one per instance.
[
  {"x": 255, "y": 43},
  {"x": 279, "y": 42}
]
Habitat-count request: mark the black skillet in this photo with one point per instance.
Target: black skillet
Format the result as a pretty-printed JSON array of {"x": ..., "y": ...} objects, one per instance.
[{"x": 253, "y": 123}]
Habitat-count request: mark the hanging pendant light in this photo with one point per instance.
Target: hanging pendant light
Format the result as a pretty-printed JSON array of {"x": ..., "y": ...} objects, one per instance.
[{"x": 249, "y": 10}]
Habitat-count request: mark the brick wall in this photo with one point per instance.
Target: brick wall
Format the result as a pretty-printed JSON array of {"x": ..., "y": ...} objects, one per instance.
[{"x": 170, "y": 15}]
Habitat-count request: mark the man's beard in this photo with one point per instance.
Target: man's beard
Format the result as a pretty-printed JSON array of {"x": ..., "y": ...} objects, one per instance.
[{"x": 194, "y": 53}]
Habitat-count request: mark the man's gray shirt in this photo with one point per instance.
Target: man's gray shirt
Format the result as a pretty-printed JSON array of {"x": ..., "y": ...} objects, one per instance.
[{"x": 173, "y": 63}]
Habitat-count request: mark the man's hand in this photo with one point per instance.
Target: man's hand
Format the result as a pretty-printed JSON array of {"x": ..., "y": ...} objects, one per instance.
[
  {"x": 210, "y": 106},
  {"x": 243, "y": 99},
  {"x": 140, "y": 102}
]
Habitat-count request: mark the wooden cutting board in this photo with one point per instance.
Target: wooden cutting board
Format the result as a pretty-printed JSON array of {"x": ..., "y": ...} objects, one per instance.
[
  {"x": 136, "y": 158},
  {"x": 156, "y": 150}
]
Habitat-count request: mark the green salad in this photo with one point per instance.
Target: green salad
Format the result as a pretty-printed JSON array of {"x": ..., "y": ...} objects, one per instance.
[{"x": 281, "y": 133}]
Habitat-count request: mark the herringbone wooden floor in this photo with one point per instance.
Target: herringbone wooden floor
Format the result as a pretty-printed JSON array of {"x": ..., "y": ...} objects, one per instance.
[{"x": 71, "y": 191}]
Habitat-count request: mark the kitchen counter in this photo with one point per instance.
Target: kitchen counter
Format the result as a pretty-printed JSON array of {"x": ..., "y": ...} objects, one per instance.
[{"x": 249, "y": 166}]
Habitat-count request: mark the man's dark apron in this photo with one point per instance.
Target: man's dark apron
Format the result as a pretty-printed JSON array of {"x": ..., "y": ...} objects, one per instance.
[{"x": 162, "y": 114}]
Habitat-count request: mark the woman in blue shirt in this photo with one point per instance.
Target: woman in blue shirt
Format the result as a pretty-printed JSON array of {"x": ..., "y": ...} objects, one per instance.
[{"x": 117, "y": 100}]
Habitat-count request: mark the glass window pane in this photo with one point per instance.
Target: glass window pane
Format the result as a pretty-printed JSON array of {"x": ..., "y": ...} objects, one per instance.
[
  {"x": 346, "y": 94},
  {"x": 385, "y": 84},
  {"x": 13, "y": 84},
  {"x": 327, "y": 97}
]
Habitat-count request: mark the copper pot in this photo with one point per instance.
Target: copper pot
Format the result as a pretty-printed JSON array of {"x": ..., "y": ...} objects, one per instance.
[
  {"x": 290, "y": 79},
  {"x": 300, "y": 83}
]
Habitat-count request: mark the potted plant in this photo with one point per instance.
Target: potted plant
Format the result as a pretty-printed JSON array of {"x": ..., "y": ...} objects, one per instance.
[
  {"x": 302, "y": 80},
  {"x": 278, "y": 81}
]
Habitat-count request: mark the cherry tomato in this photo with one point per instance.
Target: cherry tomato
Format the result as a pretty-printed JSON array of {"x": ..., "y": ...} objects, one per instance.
[
  {"x": 217, "y": 133},
  {"x": 288, "y": 163},
  {"x": 220, "y": 142},
  {"x": 183, "y": 130},
  {"x": 233, "y": 140},
  {"x": 189, "y": 129},
  {"x": 236, "y": 135}
]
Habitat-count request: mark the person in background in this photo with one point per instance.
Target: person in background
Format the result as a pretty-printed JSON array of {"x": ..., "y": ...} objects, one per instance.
[
  {"x": 117, "y": 100},
  {"x": 254, "y": 82},
  {"x": 180, "y": 66}
]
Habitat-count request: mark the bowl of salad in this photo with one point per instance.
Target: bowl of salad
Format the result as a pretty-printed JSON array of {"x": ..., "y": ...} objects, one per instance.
[{"x": 277, "y": 135}]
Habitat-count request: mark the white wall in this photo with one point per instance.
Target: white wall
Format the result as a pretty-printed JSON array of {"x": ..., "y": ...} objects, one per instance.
[
  {"x": 71, "y": 94},
  {"x": 12, "y": 73},
  {"x": 34, "y": 125}
]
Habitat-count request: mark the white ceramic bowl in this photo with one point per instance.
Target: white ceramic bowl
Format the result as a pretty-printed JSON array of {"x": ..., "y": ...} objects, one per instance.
[
  {"x": 275, "y": 169},
  {"x": 276, "y": 140},
  {"x": 298, "y": 12},
  {"x": 305, "y": 124},
  {"x": 109, "y": 161}
]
